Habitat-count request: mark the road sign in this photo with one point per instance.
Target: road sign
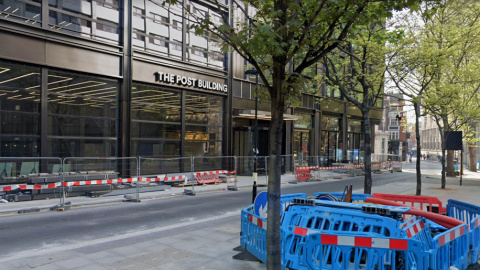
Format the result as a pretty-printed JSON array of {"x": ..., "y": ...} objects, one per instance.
[{"x": 260, "y": 204}]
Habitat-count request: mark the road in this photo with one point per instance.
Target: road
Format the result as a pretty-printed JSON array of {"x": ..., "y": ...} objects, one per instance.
[
  {"x": 28, "y": 233},
  {"x": 93, "y": 229}
]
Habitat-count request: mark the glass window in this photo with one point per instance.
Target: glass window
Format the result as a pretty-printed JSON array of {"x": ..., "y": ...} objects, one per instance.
[
  {"x": 329, "y": 123},
  {"x": 83, "y": 7},
  {"x": 76, "y": 17},
  {"x": 354, "y": 125},
  {"x": 108, "y": 10},
  {"x": 87, "y": 147},
  {"x": 70, "y": 24},
  {"x": 81, "y": 106},
  {"x": 162, "y": 25},
  {"x": 19, "y": 110},
  {"x": 204, "y": 121},
  {"x": 204, "y": 48},
  {"x": 156, "y": 121},
  {"x": 26, "y": 11}
]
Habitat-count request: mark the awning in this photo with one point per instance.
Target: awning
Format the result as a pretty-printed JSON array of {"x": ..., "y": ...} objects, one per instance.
[{"x": 262, "y": 115}]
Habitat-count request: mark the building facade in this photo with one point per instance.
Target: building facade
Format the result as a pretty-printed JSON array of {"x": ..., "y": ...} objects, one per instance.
[{"x": 95, "y": 78}]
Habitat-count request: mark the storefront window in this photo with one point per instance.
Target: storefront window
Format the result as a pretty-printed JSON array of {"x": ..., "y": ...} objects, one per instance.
[
  {"x": 329, "y": 143},
  {"x": 19, "y": 110},
  {"x": 81, "y": 113},
  {"x": 156, "y": 121},
  {"x": 204, "y": 120}
]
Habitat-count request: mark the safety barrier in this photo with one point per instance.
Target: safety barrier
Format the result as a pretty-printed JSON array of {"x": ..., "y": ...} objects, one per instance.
[
  {"x": 425, "y": 203},
  {"x": 206, "y": 177},
  {"x": 303, "y": 173},
  {"x": 253, "y": 235},
  {"x": 451, "y": 249},
  {"x": 469, "y": 214},
  {"x": 419, "y": 230},
  {"x": 348, "y": 251},
  {"x": 335, "y": 235},
  {"x": 175, "y": 179},
  {"x": 302, "y": 220}
]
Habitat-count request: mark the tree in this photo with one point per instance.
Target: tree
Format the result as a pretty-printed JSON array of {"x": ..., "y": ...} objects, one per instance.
[
  {"x": 357, "y": 68},
  {"x": 453, "y": 93},
  {"x": 269, "y": 38},
  {"x": 411, "y": 69}
]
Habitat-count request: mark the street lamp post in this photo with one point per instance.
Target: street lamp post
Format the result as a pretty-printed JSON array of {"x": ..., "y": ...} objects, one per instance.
[{"x": 255, "y": 137}]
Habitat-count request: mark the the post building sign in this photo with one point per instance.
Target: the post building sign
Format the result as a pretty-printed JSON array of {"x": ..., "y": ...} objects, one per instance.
[{"x": 192, "y": 82}]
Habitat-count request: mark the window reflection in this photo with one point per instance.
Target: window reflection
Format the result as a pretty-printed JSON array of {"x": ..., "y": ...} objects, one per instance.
[
  {"x": 158, "y": 28},
  {"x": 81, "y": 106},
  {"x": 19, "y": 110},
  {"x": 156, "y": 121},
  {"x": 76, "y": 17},
  {"x": 26, "y": 11},
  {"x": 204, "y": 119}
]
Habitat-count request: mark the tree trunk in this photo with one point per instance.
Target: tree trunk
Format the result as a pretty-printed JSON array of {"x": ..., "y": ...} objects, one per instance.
[
  {"x": 368, "y": 153},
  {"x": 444, "y": 179},
  {"x": 471, "y": 159},
  {"x": 450, "y": 169},
  {"x": 274, "y": 252},
  {"x": 419, "y": 149}
]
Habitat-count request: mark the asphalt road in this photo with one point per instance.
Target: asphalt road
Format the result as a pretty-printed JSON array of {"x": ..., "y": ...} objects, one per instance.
[{"x": 30, "y": 233}]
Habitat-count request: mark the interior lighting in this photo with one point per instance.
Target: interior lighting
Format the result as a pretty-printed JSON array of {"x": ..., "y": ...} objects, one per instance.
[
  {"x": 7, "y": 8},
  {"x": 15, "y": 10},
  {"x": 75, "y": 84},
  {"x": 8, "y": 91},
  {"x": 4, "y": 70},
  {"x": 97, "y": 90},
  {"x": 19, "y": 77}
]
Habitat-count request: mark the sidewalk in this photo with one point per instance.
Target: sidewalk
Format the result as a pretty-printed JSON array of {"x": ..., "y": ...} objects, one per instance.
[{"x": 206, "y": 247}]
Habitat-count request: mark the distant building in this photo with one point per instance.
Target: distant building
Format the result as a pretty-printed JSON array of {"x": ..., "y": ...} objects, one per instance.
[
  {"x": 380, "y": 145},
  {"x": 397, "y": 137},
  {"x": 431, "y": 141}
]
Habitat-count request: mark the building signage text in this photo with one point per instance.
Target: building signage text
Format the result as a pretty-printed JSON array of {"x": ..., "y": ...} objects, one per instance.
[{"x": 188, "y": 81}]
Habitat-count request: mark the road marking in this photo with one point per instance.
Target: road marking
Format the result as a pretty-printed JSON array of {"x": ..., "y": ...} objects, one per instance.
[{"x": 61, "y": 248}]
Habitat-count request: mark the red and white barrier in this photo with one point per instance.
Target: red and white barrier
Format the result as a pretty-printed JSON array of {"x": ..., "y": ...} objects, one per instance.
[{"x": 355, "y": 241}]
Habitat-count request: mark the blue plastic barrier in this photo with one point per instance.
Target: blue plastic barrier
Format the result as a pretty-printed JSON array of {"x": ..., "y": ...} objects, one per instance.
[
  {"x": 419, "y": 230},
  {"x": 462, "y": 211},
  {"x": 332, "y": 235},
  {"x": 303, "y": 219},
  {"x": 469, "y": 214},
  {"x": 474, "y": 238},
  {"x": 349, "y": 251},
  {"x": 253, "y": 236},
  {"x": 451, "y": 249}
]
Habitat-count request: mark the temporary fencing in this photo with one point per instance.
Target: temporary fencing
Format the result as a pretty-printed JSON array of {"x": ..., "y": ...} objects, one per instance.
[
  {"x": 314, "y": 172},
  {"x": 253, "y": 236},
  {"x": 332, "y": 235},
  {"x": 26, "y": 178},
  {"x": 343, "y": 251},
  {"x": 80, "y": 173},
  {"x": 469, "y": 214},
  {"x": 425, "y": 203}
]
